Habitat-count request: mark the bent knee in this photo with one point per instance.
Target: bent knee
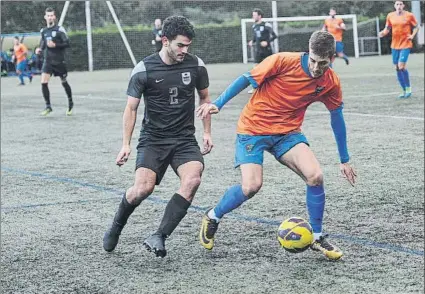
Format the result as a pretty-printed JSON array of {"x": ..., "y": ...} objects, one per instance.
[
  {"x": 250, "y": 189},
  {"x": 191, "y": 183},
  {"x": 315, "y": 179},
  {"x": 143, "y": 190}
]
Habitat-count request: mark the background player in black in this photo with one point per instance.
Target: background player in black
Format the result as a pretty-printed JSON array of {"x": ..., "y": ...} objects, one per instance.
[
  {"x": 53, "y": 43},
  {"x": 167, "y": 80},
  {"x": 157, "y": 34},
  {"x": 262, "y": 37}
]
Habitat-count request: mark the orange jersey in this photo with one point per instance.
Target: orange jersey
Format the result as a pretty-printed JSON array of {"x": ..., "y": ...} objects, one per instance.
[
  {"x": 401, "y": 27},
  {"x": 332, "y": 26},
  {"x": 285, "y": 90},
  {"x": 20, "y": 52}
]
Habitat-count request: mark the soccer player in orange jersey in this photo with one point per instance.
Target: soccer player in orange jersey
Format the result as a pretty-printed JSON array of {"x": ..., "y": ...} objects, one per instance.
[
  {"x": 286, "y": 84},
  {"x": 400, "y": 23},
  {"x": 20, "y": 54},
  {"x": 336, "y": 27}
]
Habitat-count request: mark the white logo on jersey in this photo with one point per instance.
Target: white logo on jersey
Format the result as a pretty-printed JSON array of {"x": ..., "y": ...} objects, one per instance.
[
  {"x": 159, "y": 81},
  {"x": 54, "y": 34},
  {"x": 186, "y": 78}
]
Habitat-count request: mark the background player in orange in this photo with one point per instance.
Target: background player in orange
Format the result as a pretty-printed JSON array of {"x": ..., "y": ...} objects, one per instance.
[
  {"x": 336, "y": 27},
  {"x": 20, "y": 54},
  {"x": 401, "y": 22},
  {"x": 286, "y": 84}
]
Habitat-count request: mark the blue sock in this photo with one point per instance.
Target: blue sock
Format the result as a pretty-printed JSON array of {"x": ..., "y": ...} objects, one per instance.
[
  {"x": 21, "y": 78},
  {"x": 406, "y": 78},
  {"x": 231, "y": 199},
  {"x": 316, "y": 206},
  {"x": 345, "y": 57},
  {"x": 400, "y": 77}
]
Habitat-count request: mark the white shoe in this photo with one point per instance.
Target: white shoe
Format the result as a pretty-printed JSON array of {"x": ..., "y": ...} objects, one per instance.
[{"x": 251, "y": 91}]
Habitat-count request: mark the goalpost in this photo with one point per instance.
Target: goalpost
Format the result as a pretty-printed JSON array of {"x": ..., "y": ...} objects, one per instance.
[
  {"x": 89, "y": 30},
  {"x": 276, "y": 20}
]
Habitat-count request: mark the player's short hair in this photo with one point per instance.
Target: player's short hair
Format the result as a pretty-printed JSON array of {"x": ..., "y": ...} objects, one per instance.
[
  {"x": 177, "y": 25},
  {"x": 259, "y": 11},
  {"x": 322, "y": 43},
  {"x": 49, "y": 9},
  {"x": 16, "y": 37}
]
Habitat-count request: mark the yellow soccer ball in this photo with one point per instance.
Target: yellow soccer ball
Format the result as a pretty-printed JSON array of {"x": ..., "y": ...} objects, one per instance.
[{"x": 295, "y": 234}]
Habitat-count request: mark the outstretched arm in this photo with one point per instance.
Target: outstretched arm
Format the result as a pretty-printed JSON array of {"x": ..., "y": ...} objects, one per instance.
[
  {"x": 234, "y": 89},
  {"x": 340, "y": 132}
]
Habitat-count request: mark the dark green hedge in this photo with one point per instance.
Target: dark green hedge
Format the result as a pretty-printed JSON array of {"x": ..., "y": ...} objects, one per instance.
[{"x": 213, "y": 45}]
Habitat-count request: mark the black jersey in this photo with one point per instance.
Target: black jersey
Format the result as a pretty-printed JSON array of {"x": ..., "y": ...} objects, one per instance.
[
  {"x": 262, "y": 32},
  {"x": 58, "y": 35},
  {"x": 169, "y": 94}
]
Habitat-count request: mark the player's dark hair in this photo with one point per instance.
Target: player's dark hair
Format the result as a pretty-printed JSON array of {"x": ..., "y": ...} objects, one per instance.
[
  {"x": 259, "y": 11},
  {"x": 177, "y": 25},
  {"x": 16, "y": 37},
  {"x": 322, "y": 43},
  {"x": 49, "y": 9}
]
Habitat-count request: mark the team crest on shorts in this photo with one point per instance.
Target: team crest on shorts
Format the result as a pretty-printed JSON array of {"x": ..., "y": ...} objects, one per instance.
[
  {"x": 186, "y": 78},
  {"x": 249, "y": 147}
]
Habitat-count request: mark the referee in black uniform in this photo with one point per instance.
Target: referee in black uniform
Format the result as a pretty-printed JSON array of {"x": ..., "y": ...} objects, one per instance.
[
  {"x": 167, "y": 80},
  {"x": 54, "y": 41},
  {"x": 262, "y": 36}
]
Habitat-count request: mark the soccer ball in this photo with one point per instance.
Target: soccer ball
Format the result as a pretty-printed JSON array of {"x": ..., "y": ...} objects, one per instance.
[{"x": 295, "y": 234}]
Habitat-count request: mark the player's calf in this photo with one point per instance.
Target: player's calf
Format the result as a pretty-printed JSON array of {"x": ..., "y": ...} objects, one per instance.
[{"x": 111, "y": 236}]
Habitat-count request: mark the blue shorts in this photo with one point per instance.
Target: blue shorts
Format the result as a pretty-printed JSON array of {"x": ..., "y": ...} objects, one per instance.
[
  {"x": 339, "y": 47},
  {"x": 22, "y": 66},
  {"x": 400, "y": 55},
  {"x": 250, "y": 148}
]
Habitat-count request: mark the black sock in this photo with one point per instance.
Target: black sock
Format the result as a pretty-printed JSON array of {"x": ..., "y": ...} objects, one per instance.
[
  {"x": 124, "y": 211},
  {"x": 175, "y": 211},
  {"x": 46, "y": 94},
  {"x": 68, "y": 91}
]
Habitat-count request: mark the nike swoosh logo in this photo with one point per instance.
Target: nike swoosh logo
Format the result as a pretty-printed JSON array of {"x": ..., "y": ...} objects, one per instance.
[{"x": 159, "y": 81}]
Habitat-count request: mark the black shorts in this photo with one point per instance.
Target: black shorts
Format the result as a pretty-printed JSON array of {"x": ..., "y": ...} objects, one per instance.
[
  {"x": 158, "y": 153},
  {"x": 58, "y": 70},
  {"x": 262, "y": 54}
]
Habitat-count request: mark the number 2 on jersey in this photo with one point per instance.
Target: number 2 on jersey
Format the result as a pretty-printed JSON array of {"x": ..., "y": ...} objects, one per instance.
[{"x": 173, "y": 95}]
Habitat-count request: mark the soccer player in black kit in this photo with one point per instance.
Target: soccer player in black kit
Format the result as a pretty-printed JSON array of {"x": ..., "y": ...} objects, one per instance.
[
  {"x": 53, "y": 43},
  {"x": 157, "y": 34},
  {"x": 262, "y": 36},
  {"x": 167, "y": 80}
]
